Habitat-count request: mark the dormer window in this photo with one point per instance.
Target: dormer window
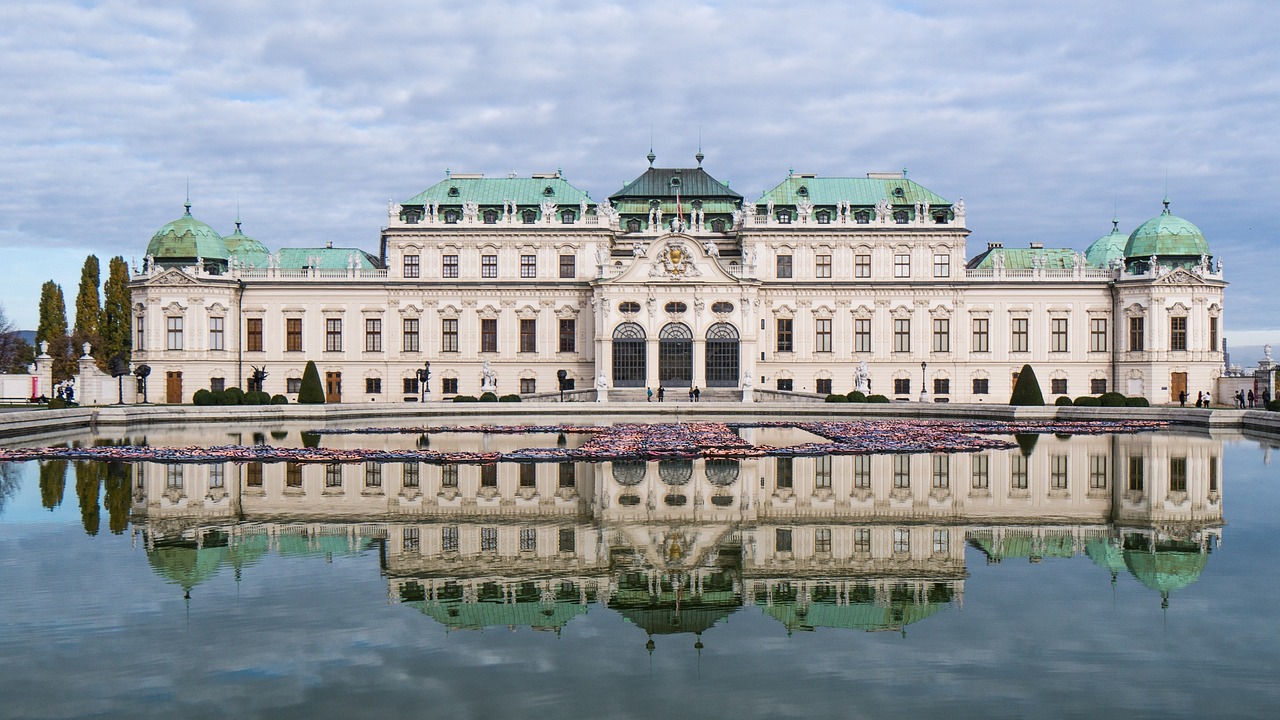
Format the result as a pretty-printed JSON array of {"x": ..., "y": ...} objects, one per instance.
[
  {"x": 824, "y": 217},
  {"x": 412, "y": 217},
  {"x": 784, "y": 217},
  {"x": 899, "y": 192},
  {"x": 633, "y": 225},
  {"x": 862, "y": 217},
  {"x": 529, "y": 216},
  {"x": 675, "y": 182},
  {"x": 940, "y": 217},
  {"x": 566, "y": 217},
  {"x": 451, "y": 216},
  {"x": 803, "y": 191},
  {"x": 453, "y": 192},
  {"x": 548, "y": 191},
  {"x": 900, "y": 217},
  {"x": 717, "y": 225},
  {"x": 491, "y": 217},
  {"x": 697, "y": 204}
]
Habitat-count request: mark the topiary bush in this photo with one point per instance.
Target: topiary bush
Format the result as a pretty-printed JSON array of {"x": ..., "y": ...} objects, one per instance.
[
  {"x": 1111, "y": 399},
  {"x": 837, "y": 398},
  {"x": 1027, "y": 390},
  {"x": 465, "y": 398},
  {"x": 202, "y": 397},
  {"x": 509, "y": 398},
  {"x": 217, "y": 397},
  {"x": 311, "y": 392},
  {"x": 233, "y": 396},
  {"x": 1136, "y": 402},
  {"x": 257, "y": 397},
  {"x": 279, "y": 400},
  {"x": 1087, "y": 401},
  {"x": 488, "y": 397},
  {"x": 1062, "y": 401},
  {"x": 877, "y": 399},
  {"x": 856, "y": 396},
  {"x": 1274, "y": 406}
]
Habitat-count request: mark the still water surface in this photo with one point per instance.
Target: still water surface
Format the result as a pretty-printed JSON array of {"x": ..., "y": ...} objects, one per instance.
[{"x": 1098, "y": 576}]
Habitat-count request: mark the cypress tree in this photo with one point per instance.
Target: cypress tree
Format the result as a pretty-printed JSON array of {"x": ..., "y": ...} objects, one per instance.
[
  {"x": 53, "y": 330},
  {"x": 1027, "y": 390},
  {"x": 311, "y": 392},
  {"x": 116, "y": 318},
  {"x": 88, "y": 307}
]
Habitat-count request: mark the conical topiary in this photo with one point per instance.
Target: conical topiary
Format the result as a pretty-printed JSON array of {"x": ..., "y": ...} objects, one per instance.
[
  {"x": 311, "y": 392},
  {"x": 1027, "y": 390}
]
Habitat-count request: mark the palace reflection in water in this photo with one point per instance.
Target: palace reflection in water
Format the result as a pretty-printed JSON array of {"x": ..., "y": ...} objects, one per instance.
[{"x": 861, "y": 542}]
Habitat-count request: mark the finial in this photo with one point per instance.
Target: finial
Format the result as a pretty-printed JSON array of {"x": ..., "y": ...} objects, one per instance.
[
  {"x": 791, "y": 172},
  {"x": 1166, "y": 203},
  {"x": 904, "y": 171},
  {"x": 448, "y": 173},
  {"x": 187, "y": 204},
  {"x": 651, "y": 156},
  {"x": 699, "y": 156}
]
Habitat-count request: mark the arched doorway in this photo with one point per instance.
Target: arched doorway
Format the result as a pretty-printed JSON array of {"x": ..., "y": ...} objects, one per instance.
[
  {"x": 628, "y": 356},
  {"x": 722, "y": 356},
  {"x": 675, "y": 355}
]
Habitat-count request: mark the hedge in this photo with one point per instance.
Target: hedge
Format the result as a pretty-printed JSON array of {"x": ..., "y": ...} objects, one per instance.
[
  {"x": 856, "y": 396},
  {"x": 1027, "y": 390},
  {"x": 1064, "y": 400},
  {"x": 510, "y": 398},
  {"x": 1087, "y": 401},
  {"x": 837, "y": 399},
  {"x": 877, "y": 399}
]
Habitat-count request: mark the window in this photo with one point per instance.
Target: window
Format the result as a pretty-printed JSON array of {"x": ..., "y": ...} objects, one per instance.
[
  {"x": 823, "y": 216},
  {"x": 941, "y": 472},
  {"x": 173, "y": 476},
  {"x": 217, "y": 384},
  {"x": 1058, "y": 335},
  {"x": 449, "y": 386},
  {"x": 293, "y": 385},
  {"x": 717, "y": 225},
  {"x": 782, "y": 540},
  {"x": 528, "y": 386},
  {"x": 528, "y": 266},
  {"x": 566, "y": 216},
  {"x": 489, "y": 476},
  {"x": 488, "y": 266},
  {"x": 1018, "y": 471},
  {"x": 784, "y": 266},
  {"x": 568, "y": 540},
  {"x": 822, "y": 266},
  {"x": 901, "y": 386},
  {"x": 490, "y": 217},
  {"x": 451, "y": 216},
  {"x": 862, "y": 217},
  {"x": 1058, "y": 386},
  {"x": 253, "y": 475},
  {"x": 293, "y": 474},
  {"x": 902, "y": 335},
  {"x": 1097, "y": 472},
  {"x": 489, "y": 335},
  {"x": 981, "y": 335},
  {"x": 488, "y": 539},
  {"x": 528, "y": 475},
  {"x": 981, "y": 472},
  {"x": 411, "y": 334},
  {"x": 784, "y": 217},
  {"x": 412, "y": 268},
  {"x": 902, "y": 266},
  {"x": 1136, "y": 473},
  {"x": 217, "y": 475},
  {"x": 449, "y": 335},
  {"x": 901, "y": 540},
  {"x": 1019, "y": 340},
  {"x": 1177, "y": 333},
  {"x": 528, "y": 335},
  {"x": 981, "y": 386},
  {"x": 139, "y": 332},
  {"x": 941, "y": 335},
  {"x": 217, "y": 336},
  {"x": 568, "y": 267},
  {"x": 1058, "y": 472},
  {"x": 373, "y": 386},
  {"x": 675, "y": 308},
  {"x": 822, "y": 340},
  {"x": 824, "y": 386},
  {"x": 901, "y": 472},
  {"x": 941, "y": 265},
  {"x": 293, "y": 334},
  {"x": 528, "y": 539},
  {"x": 568, "y": 335},
  {"x": 785, "y": 384},
  {"x": 1097, "y": 386},
  {"x": 862, "y": 335},
  {"x": 784, "y": 469},
  {"x": 567, "y": 479},
  {"x": 1213, "y": 473},
  {"x": 1213, "y": 334},
  {"x": 449, "y": 538},
  {"x": 901, "y": 217},
  {"x": 942, "y": 386},
  {"x": 784, "y": 335},
  {"x": 1137, "y": 331},
  {"x": 410, "y": 386},
  {"x": 449, "y": 266},
  {"x": 174, "y": 325},
  {"x": 862, "y": 540},
  {"x": 333, "y": 335},
  {"x": 448, "y": 476},
  {"x": 412, "y": 539},
  {"x": 373, "y": 335},
  {"x": 1097, "y": 335},
  {"x": 1177, "y": 474},
  {"x": 822, "y": 540},
  {"x": 941, "y": 542},
  {"x": 372, "y": 475},
  {"x": 862, "y": 471},
  {"x": 862, "y": 266}
]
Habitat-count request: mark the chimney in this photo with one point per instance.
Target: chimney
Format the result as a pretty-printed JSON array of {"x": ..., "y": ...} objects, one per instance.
[
  {"x": 1037, "y": 246},
  {"x": 995, "y": 245}
]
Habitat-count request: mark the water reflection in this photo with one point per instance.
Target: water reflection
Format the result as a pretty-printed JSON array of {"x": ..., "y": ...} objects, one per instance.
[{"x": 676, "y": 546}]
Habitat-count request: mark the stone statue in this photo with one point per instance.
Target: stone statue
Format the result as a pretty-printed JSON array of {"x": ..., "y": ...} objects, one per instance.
[
  {"x": 959, "y": 208},
  {"x": 488, "y": 378},
  {"x": 602, "y": 256},
  {"x": 1266, "y": 353},
  {"x": 713, "y": 250},
  {"x": 602, "y": 388},
  {"x": 862, "y": 378},
  {"x": 747, "y": 394},
  {"x": 637, "y": 249}
]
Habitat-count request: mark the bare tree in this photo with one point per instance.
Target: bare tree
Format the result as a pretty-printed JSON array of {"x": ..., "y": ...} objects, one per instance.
[{"x": 15, "y": 353}]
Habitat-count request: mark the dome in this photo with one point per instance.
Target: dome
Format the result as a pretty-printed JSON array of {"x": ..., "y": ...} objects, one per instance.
[
  {"x": 244, "y": 248},
  {"x": 1107, "y": 248},
  {"x": 1171, "y": 567},
  {"x": 1166, "y": 235},
  {"x": 186, "y": 239}
]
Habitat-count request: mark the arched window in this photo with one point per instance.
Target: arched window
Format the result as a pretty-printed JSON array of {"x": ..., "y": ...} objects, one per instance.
[
  {"x": 900, "y": 217},
  {"x": 529, "y": 216},
  {"x": 451, "y": 216},
  {"x": 824, "y": 217},
  {"x": 633, "y": 225},
  {"x": 862, "y": 217},
  {"x": 723, "y": 350},
  {"x": 717, "y": 225},
  {"x": 722, "y": 472},
  {"x": 566, "y": 216},
  {"x": 629, "y": 472},
  {"x": 629, "y": 368},
  {"x": 675, "y": 355},
  {"x": 675, "y": 472},
  {"x": 490, "y": 217},
  {"x": 784, "y": 217}
]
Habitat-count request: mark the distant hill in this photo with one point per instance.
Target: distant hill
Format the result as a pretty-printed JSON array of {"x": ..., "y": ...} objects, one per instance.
[{"x": 28, "y": 335}]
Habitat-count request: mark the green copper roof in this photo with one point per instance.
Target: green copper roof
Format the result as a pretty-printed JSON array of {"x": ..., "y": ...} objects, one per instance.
[
  {"x": 187, "y": 239},
  {"x": 325, "y": 258},
  {"x": 859, "y": 191},
  {"x": 868, "y": 616},
  {"x": 1020, "y": 258},
  {"x": 246, "y": 249},
  {"x": 1166, "y": 570},
  {"x": 1108, "y": 247},
  {"x": 1024, "y": 545},
  {"x": 496, "y": 191},
  {"x": 1166, "y": 235},
  {"x": 689, "y": 183}
]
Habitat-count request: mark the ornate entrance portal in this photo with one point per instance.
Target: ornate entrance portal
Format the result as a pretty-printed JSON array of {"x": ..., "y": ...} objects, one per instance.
[
  {"x": 722, "y": 356},
  {"x": 675, "y": 355},
  {"x": 628, "y": 356}
]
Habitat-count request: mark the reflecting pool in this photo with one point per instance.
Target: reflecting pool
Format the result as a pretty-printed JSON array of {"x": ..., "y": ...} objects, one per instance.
[{"x": 1068, "y": 576}]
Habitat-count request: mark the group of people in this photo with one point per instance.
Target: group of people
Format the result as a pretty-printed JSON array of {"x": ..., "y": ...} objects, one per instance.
[
  {"x": 695, "y": 394},
  {"x": 1202, "y": 399},
  {"x": 1251, "y": 400}
]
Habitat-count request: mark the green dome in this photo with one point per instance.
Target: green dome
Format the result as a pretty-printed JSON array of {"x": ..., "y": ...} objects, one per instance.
[
  {"x": 1172, "y": 566},
  {"x": 1107, "y": 248},
  {"x": 1166, "y": 235},
  {"x": 244, "y": 248},
  {"x": 186, "y": 239}
]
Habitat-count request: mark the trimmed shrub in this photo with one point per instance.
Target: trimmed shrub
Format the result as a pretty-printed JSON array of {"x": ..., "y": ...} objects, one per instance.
[
  {"x": 1027, "y": 390},
  {"x": 509, "y": 398},
  {"x": 1274, "y": 406},
  {"x": 837, "y": 398},
  {"x": 488, "y": 397},
  {"x": 1087, "y": 401},
  {"x": 217, "y": 397},
  {"x": 234, "y": 396},
  {"x": 311, "y": 392},
  {"x": 279, "y": 400},
  {"x": 257, "y": 397},
  {"x": 1062, "y": 401},
  {"x": 310, "y": 440},
  {"x": 856, "y": 396},
  {"x": 1136, "y": 402},
  {"x": 877, "y": 399},
  {"x": 202, "y": 397},
  {"x": 1026, "y": 443},
  {"x": 1111, "y": 399},
  {"x": 465, "y": 398}
]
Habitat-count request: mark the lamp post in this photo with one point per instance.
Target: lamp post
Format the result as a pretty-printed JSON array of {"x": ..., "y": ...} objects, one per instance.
[
  {"x": 560, "y": 376},
  {"x": 924, "y": 381},
  {"x": 424, "y": 381}
]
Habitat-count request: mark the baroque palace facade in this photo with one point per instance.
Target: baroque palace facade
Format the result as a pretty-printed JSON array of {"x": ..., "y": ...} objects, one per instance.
[{"x": 676, "y": 281}]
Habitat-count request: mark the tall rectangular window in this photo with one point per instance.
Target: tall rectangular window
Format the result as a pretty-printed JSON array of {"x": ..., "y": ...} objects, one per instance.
[
  {"x": 782, "y": 540},
  {"x": 528, "y": 475},
  {"x": 568, "y": 540},
  {"x": 489, "y": 476},
  {"x": 449, "y": 266},
  {"x": 822, "y": 338},
  {"x": 174, "y": 328},
  {"x": 567, "y": 478},
  {"x": 981, "y": 335},
  {"x": 1018, "y": 471},
  {"x": 941, "y": 265},
  {"x": 412, "y": 541},
  {"x": 862, "y": 540},
  {"x": 784, "y": 335},
  {"x": 862, "y": 335},
  {"x": 784, "y": 266},
  {"x": 333, "y": 335},
  {"x": 981, "y": 472},
  {"x": 1136, "y": 473},
  {"x": 449, "y": 335},
  {"x": 568, "y": 335},
  {"x": 488, "y": 266},
  {"x": 372, "y": 475},
  {"x": 941, "y": 335},
  {"x": 1058, "y": 472},
  {"x": 901, "y": 472},
  {"x": 941, "y": 471},
  {"x": 981, "y": 386},
  {"x": 901, "y": 540},
  {"x": 373, "y": 335},
  {"x": 1213, "y": 335},
  {"x": 1097, "y": 472},
  {"x": 862, "y": 471},
  {"x": 902, "y": 386},
  {"x": 528, "y": 539},
  {"x": 293, "y": 474},
  {"x": 568, "y": 267},
  {"x": 488, "y": 539},
  {"x": 1177, "y": 333},
  {"x": 293, "y": 334},
  {"x": 449, "y": 538},
  {"x": 862, "y": 266},
  {"x": 1058, "y": 335},
  {"x": 902, "y": 265},
  {"x": 449, "y": 476},
  {"x": 217, "y": 475},
  {"x": 902, "y": 335},
  {"x": 822, "y": 540},
  {"x": 941, "y": 541},
  {"x": 411, "y": 267},
  {"x": 784, "y": 469},
  {"x": 217, "y": 336},
  {"x": 528, "y": 266},
  {"x": 1177, "y": 474},
  {"x": 822, "y": 266},
  {"x": 411, "y": 343},
  {"x": 139, "y": 332},
  {"x": 1097, "y": 335},
  {"x": 1020, "y": 335},
  {"x": 822, "y": 472},
  {"x": 1137, "y": 334},
  {"x": 489, "y": 335},
  {"x": 411, "y": 475},
  {"x": 528, "y": 335}
]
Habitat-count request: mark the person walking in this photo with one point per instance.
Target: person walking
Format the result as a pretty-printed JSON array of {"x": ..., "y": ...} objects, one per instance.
[
  {"x": 1251, "y": 399},
  {"x": 648, "y": 394},
  {"x": 1182, "y": 398},
  {"x": 690, "y": 394},
  {"x": 662, "y": 392},
  {"x": 697, "y": 394}
]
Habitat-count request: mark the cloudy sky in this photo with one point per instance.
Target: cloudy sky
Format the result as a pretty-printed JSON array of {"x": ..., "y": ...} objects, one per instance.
[{"x": 1047, "y": 118}]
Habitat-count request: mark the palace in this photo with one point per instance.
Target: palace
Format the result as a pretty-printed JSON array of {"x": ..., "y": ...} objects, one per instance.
[{"x": 526, "y": 285}]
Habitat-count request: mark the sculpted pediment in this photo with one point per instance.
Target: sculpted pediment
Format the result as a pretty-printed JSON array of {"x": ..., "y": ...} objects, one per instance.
[
  {"x": 1180, "y": 276},
  {"x": 675, "y": 258},
  {"x": 172, "y": 277}
]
